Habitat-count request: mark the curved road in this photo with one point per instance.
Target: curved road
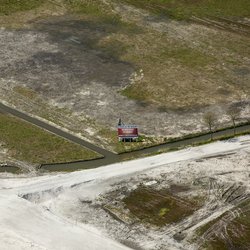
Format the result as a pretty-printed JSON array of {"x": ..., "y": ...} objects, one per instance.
[{"x": 109, "y": 157}]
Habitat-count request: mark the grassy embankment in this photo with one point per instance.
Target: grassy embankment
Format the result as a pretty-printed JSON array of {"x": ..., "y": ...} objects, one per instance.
[{"x": 29, "y": 143}]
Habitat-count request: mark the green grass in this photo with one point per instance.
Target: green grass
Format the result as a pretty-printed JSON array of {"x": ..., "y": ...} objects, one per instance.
[
  {"x": 182, "y": 56},
  {"x": 29, "y": 143},
  {"x": 184, "y": 9},
  {"x": 187, "y": 57},
  {"x": 181, "y": 9},
  {"x": 163, "y": 211},
  {"x": 91, "y": 7},
  {"x": 11, "y": 6},
  {"x": 103, "y": 14}
]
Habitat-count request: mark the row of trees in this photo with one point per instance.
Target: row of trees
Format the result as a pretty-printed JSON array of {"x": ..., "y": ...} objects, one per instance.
[{"x": 210, "y": 119}]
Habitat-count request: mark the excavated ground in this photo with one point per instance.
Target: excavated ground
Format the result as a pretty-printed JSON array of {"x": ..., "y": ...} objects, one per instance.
[{"x": 193, "y": 204}]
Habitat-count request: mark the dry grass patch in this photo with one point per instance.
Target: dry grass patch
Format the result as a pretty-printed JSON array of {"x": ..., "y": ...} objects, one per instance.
[
  {"x": 158, "y": 207},
  {"x": 26, "y": 92}
]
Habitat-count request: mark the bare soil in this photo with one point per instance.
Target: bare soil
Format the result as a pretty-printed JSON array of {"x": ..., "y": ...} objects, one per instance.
[
  {"x": 229, "y": 231},
  {"x": 149, "y": 210}
]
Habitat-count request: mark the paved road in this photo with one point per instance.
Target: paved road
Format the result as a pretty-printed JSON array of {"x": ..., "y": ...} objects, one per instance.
[
  {"x": 55, "y": 130},
  {"x": 109, "y": 157}
]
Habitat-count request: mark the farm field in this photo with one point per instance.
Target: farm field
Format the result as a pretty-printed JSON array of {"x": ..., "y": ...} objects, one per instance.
[{"x": 85, "y": 64}]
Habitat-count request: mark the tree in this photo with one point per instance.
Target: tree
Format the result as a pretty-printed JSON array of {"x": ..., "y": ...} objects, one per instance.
[
  {"x": 210, "y": 120},
  {"x": 234, "y": 112}
]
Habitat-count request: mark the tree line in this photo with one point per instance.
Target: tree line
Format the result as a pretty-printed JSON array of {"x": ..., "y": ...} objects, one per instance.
[{"x": 210, "y": 119}]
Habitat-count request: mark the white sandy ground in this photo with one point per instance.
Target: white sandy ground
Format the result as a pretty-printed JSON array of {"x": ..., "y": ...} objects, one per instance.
[{"x": 31, "y": 225}]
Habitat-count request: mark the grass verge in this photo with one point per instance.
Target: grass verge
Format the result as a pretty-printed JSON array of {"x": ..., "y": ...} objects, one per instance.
[{"x": 29, "y": 143}]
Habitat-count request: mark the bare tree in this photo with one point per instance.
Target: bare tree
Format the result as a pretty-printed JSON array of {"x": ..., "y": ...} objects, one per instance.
[
  {"x": 247, "y": 112},
  {"x": 234, "y": 112},
  {"x": 210, "y": 120}
]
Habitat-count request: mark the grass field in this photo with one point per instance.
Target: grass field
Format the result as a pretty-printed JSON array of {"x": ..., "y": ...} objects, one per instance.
[
  {"x": 182, "y": 9},
  {"x": 11, "y": 6},
  {"x": 89, "y": 7},
  {"x": 28, "y": 143}
]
